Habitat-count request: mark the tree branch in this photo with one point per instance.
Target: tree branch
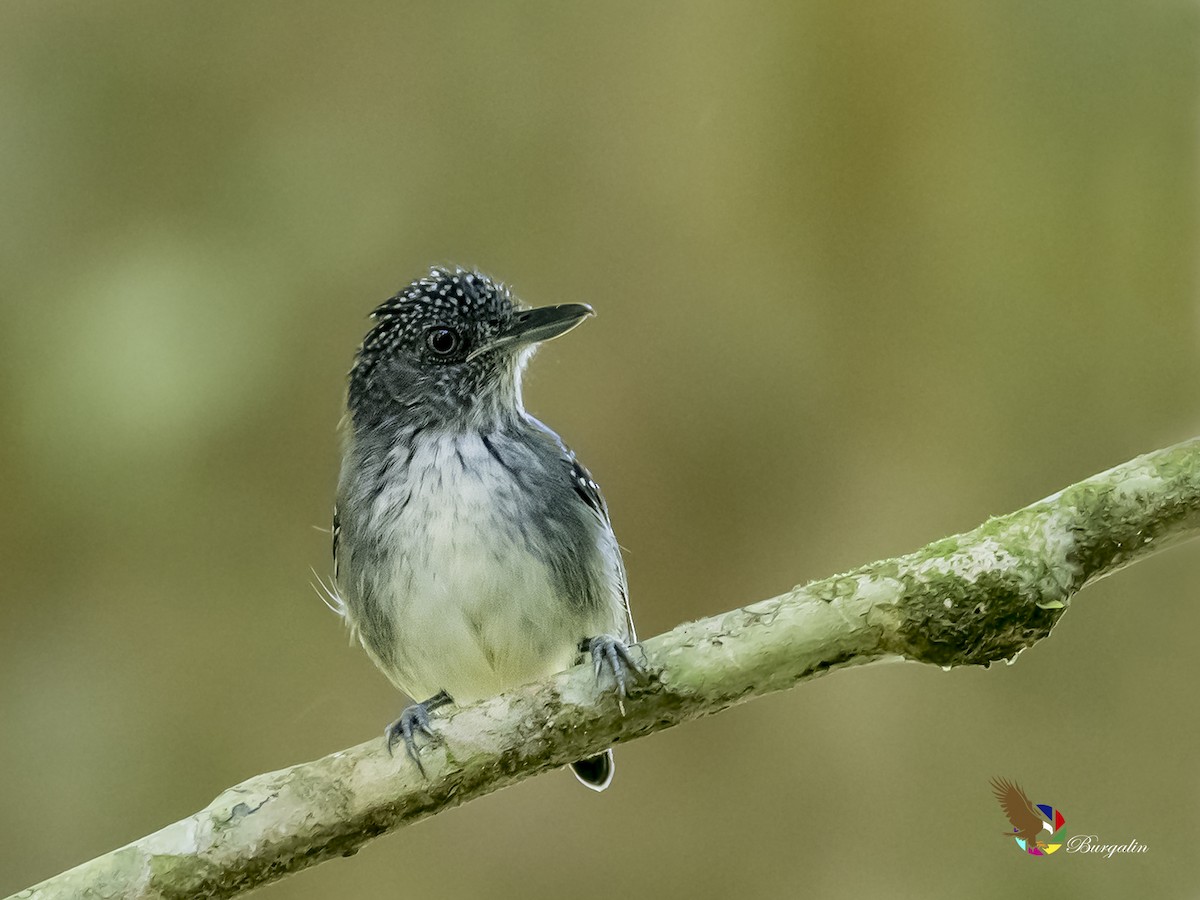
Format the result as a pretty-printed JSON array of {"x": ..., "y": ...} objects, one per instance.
[{"x": 970, "y": 599}]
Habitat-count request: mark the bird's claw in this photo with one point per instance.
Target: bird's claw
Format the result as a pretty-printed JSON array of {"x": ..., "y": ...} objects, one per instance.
[
  {"x": 611, "y": 653},
  {"x": 412, "y": 722}
]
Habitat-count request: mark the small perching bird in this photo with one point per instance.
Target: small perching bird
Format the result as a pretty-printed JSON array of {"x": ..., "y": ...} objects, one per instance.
[
  {"x": 1026, "y": 821},
  {"x": 472, "y": 551}
]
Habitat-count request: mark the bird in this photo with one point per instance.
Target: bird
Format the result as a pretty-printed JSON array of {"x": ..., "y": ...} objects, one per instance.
[
  {"x": 1025, "y": 819},
  {"x": 472, "y": 551}
]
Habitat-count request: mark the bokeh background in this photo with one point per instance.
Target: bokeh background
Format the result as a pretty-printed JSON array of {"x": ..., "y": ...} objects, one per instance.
[{"x": 866, "y": 273}]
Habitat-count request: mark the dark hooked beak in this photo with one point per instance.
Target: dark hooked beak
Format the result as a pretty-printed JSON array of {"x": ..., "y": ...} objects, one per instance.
[{"x": 532, "y": 326}]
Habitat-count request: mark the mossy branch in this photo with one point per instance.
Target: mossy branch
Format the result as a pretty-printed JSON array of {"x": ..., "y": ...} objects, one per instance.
[{"x": 966, "y": 600}]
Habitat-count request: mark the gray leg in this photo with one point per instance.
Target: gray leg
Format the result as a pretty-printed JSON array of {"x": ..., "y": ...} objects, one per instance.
[
  {"x": 607, "y": 652},
  {"x": 413, "y": 721}
]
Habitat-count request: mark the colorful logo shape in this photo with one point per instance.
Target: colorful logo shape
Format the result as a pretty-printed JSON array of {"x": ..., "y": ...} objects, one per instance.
[
  {"x": 1046, "y": 846},
  {"x": 1040, "y": 829}
]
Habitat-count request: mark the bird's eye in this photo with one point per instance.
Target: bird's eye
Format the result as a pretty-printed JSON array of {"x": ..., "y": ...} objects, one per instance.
[{"x": 442, "y": 341}]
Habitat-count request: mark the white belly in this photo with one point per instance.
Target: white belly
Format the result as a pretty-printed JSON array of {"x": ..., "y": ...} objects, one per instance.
[{"x": 474, "y": 612}]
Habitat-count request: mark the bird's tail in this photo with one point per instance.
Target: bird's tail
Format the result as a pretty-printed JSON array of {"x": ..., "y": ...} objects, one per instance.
[{"x": 595, "y": 772}]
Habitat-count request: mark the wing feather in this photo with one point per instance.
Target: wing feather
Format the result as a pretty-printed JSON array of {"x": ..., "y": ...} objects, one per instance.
[
  {"x": 587, "y": 488},
  {"x": 337, "y": 533},
  {"x": 1020, "y": 812}
]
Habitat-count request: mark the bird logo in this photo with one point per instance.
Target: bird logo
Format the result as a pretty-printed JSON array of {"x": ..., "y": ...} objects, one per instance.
[{"x": 1030, "y": 822}]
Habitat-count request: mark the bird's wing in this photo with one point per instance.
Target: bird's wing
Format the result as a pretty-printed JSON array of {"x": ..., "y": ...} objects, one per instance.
[
  {"x": 1020, "y": 812},
  {"x": 337, "y": 531},
  {"x": 587, "y": 488},
  {"x": 589, "y": 491}
]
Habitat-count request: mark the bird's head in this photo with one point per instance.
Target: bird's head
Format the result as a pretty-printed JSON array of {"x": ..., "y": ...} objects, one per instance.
[{"x": 449, "y": 349}]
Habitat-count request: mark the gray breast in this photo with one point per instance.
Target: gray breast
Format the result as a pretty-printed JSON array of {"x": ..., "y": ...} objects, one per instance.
[{"x": 469, "y": 563}]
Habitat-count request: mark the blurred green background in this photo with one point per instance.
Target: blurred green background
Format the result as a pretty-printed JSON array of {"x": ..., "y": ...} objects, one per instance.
[{"x": 866, "y": 273}]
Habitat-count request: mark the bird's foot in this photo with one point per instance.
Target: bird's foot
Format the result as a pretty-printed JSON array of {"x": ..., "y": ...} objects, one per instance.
[
  {"x": 413, "y": 721},
  {"x": 609, "y": 653}
]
